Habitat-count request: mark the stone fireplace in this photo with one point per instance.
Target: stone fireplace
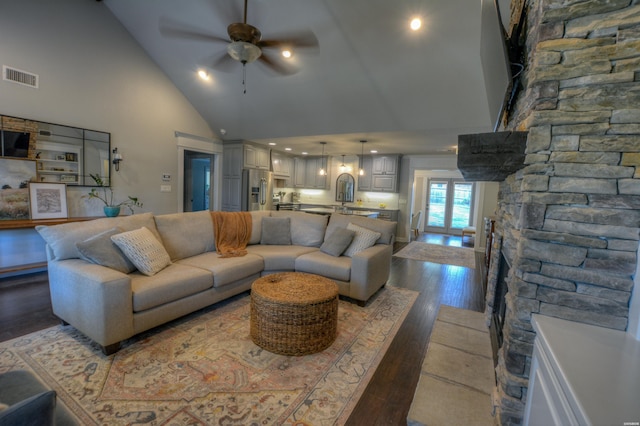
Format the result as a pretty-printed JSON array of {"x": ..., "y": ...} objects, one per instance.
[{"x": 569, "y": 219}]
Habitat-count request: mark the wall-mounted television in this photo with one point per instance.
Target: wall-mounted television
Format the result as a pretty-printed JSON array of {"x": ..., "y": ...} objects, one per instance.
[
  {"x": 14, "y": 144},
  {"x": 498, "y": 55}
]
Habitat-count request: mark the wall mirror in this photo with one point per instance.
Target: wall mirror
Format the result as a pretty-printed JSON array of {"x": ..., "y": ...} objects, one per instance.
[
  {"x": 62, "y": 153},
  {"x": 344, "y": 188}
]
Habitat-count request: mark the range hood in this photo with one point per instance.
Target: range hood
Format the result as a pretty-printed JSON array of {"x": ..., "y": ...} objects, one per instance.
[{"x": 491, "y": 157}]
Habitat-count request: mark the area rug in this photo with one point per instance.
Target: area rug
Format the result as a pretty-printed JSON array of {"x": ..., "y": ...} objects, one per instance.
[
  {"x": 436, "y": 253},
  {"x": 205, "y": 370}
]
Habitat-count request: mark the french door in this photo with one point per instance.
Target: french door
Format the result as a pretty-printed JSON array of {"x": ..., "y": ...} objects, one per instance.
[{"x": 449, "y": 205}]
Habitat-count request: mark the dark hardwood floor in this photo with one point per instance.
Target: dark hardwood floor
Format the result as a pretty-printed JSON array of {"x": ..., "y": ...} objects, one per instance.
[{"x": 25, "y": 307}]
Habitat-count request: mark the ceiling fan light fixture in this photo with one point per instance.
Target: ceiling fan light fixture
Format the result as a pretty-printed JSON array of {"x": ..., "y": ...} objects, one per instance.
[
  {"x": 243, "y": 52},
  {"x": 286, "y": 53}
]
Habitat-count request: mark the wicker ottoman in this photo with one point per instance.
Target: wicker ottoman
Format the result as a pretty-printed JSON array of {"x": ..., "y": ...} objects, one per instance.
[{"x": 293, "y": 313}]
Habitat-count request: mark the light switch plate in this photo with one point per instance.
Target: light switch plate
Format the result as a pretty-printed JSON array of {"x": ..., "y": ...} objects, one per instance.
[{"x": 165, "y": 188}]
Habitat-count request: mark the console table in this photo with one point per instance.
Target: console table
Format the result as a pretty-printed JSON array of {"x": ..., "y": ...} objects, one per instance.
[{"x": 22, "y": 247}]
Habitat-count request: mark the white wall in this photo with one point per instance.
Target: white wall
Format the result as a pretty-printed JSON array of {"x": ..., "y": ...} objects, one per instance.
[{"x": 94, "y": 75}]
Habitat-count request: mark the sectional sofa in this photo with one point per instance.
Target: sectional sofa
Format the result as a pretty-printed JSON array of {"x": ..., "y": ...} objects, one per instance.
[{"x": 110, "y": 300}]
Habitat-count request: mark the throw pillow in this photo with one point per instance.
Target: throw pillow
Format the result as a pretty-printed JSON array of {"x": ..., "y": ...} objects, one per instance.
[
  {"x": 363, "y": 239},
  {"x": 101, "y": 250},
  {"x": 276, "y": 231},
  {"x": 337, "y": 242},
  {"x": 36, "y": 410},
  {"x": 143, "y": 250}
]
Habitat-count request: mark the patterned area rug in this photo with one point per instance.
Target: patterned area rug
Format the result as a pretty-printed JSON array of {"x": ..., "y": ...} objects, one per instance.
[
  {"x": 205, "y": 370},
  {"x": 436, "y": 253}
]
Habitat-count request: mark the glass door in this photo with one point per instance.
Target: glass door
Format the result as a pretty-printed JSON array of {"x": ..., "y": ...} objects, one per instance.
[{"x": 449, "y": 205}]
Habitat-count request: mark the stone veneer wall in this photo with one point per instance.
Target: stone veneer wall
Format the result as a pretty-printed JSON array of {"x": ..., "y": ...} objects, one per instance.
[{"x": 570, "y": 219}]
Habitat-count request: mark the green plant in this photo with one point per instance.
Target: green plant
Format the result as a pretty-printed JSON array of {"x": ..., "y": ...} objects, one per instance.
[{"x": 105, "y": 194}]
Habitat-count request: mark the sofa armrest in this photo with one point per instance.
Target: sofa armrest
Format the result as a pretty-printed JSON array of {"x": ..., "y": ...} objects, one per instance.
[
  {"x": 370, "y": 270},
  {"x": 94, "y": 299}
]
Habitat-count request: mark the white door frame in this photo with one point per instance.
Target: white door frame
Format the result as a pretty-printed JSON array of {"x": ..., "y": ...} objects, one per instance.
[{"x": 188, "y": 142}]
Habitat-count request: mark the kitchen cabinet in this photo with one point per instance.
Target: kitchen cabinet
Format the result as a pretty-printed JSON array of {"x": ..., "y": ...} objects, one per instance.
[
  {"x": 232, "y": 177},
  {"x": 256, "y": 157},
  {"x": 281, "y": 164},
  {"x": 365, "y": 180},
  {"x": 380, "y": 173},
  {"x": 385, "y": 165},
  {"x": 299, "y": 172},
  {"x": 306, "y": 173}
]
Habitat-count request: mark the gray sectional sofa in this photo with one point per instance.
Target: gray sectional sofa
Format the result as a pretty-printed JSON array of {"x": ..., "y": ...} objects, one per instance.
[{"x": 110, "y": 305}]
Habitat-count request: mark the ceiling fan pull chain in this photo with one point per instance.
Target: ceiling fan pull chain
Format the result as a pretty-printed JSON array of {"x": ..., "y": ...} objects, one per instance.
[{"x": 244, "y": 79}]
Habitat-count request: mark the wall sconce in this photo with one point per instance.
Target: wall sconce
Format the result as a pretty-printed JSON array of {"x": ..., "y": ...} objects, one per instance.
[{"x": 117, "y": 158}]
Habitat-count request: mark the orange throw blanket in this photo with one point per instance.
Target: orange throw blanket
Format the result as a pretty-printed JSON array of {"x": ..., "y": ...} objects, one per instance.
[{"x": 232, "y": 232}]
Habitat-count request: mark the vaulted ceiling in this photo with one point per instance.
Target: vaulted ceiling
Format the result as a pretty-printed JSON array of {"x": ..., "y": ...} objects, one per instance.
[{"x": 371, "y": 78}]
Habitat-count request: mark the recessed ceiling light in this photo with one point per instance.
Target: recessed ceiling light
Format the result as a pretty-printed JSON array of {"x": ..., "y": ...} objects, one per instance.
[
  {"x": 415, "y": 24},
  {"x": 287, "y": 149},
  {"x": 286, "y": 53},
  {"x": 374, "y": 151},
  {"x": 272, "y": 143},
  {"x": 305, "y": 153},
  {"x": 203, "y": 75}
]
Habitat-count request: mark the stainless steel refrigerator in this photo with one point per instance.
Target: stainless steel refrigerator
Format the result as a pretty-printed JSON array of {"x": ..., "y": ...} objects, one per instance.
[{"x": 257, "y": 190}]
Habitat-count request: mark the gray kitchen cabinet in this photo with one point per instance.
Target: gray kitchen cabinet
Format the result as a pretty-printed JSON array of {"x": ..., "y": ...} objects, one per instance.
[
  {"x": 380, "y": 173},
  {"x": 281, "y": 164},
  {"x": 256, "y": 157},
  {"x": 306, "y": 173}
]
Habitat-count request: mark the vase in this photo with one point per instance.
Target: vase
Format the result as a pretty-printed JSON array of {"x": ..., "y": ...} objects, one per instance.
[{"x": 111, "y": 211}]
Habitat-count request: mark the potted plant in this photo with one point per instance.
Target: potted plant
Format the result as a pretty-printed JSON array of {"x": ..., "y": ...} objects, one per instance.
[{"x": 105, "y": 194}]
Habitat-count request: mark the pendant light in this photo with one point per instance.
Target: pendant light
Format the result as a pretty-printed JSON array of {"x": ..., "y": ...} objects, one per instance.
[
  {"x": 361, "y": 171},
  {"x": 322, "y": 171},
  {"x": 343, "y": 168}
]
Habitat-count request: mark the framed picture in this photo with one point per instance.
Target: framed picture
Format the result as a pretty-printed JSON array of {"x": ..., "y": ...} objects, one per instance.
[
  {"x": 15, "y": 176},
  {"x": 61, "y": 157},
  {"x": 48, "y": 200}
]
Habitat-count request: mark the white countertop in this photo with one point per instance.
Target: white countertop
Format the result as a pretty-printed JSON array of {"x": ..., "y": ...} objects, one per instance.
[
  {"x": 600, "y": 367},
  {"x": 327, "y": 210}
]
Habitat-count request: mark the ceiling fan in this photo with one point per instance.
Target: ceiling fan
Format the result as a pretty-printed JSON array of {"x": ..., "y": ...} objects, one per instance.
[{"x": 245, "y": 44}]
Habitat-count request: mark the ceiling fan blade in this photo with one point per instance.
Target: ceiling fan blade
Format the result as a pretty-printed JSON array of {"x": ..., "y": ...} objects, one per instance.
[
  {"x": 277, "y": 67},
  {"x": 171, "y": 28},
  {"x": 223, "y": 62},
  {"x": 301, "y": 39}
]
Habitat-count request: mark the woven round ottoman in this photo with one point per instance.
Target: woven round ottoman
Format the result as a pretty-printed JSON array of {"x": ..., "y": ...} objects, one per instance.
[{"x": 294, "y": 313}]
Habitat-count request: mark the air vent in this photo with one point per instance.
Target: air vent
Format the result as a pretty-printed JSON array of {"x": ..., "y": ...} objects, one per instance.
[{"x": 18, "y": 76}]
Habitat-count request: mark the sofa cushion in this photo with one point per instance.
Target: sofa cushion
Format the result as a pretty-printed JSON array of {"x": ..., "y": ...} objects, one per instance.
[
  {"x": 306, "y": 229},
  {"x": 338, "y": 241},
  {"x": 186, "y": 234},
  {"x": 386, "y": 228},
  {"x": 256, "y": 225},
  {"x": 143, "y": 250},
  {"x": 36, "y": 410},
  {"x": 62, "y": 239},
  {"x": 317, "y": 262},
  {"x": 280, "y": 258},
  {"x": 100, "y": 250},
  {"x": 226, "y": 270},
  {"x": 276, "y": 231},
  {"x": 172, "y": 283},
  {"x": 363, "y": 239}
]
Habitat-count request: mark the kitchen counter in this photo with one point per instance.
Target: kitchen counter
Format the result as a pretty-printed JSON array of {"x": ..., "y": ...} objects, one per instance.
[{"x": 327, "y": 210}]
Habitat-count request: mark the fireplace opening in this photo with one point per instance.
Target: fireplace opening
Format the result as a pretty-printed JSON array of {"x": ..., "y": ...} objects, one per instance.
[{"x": 499, "y": 307}]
